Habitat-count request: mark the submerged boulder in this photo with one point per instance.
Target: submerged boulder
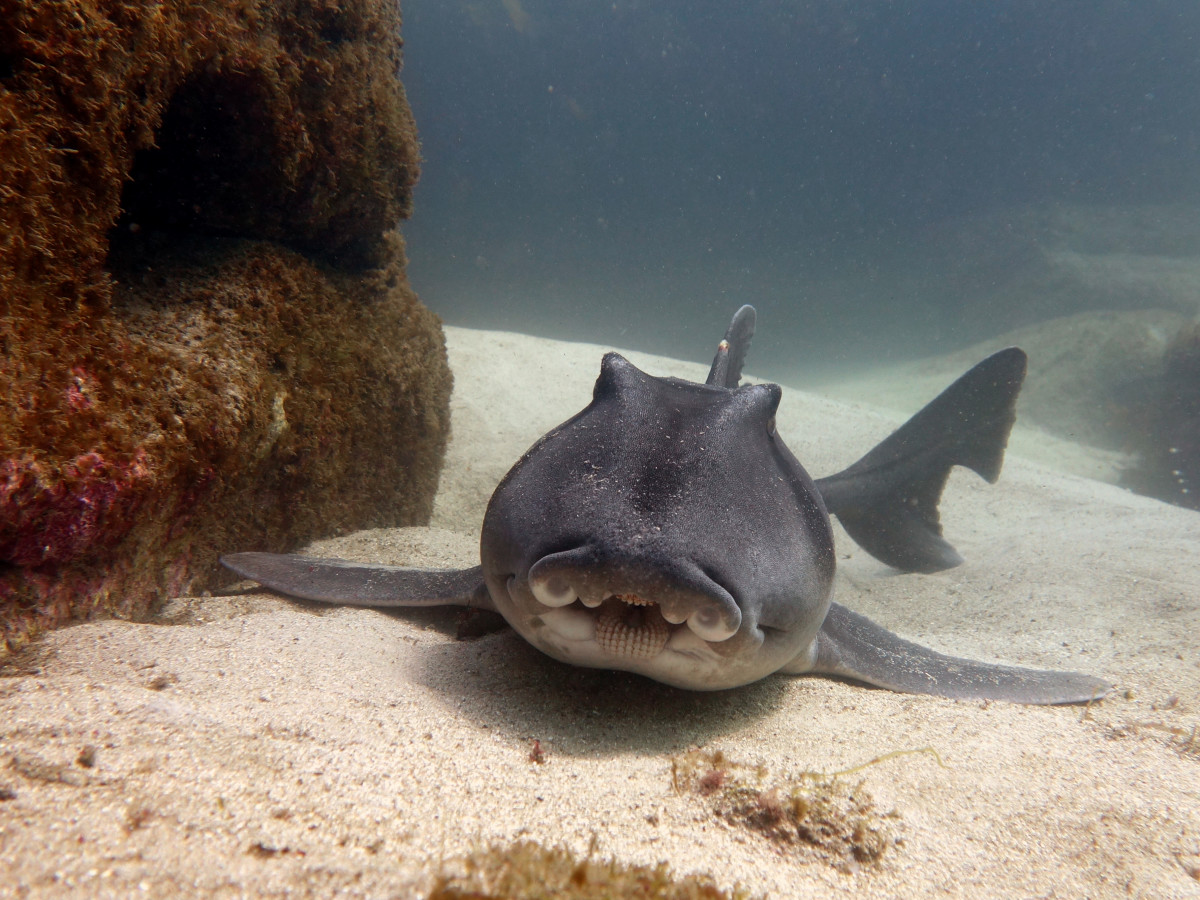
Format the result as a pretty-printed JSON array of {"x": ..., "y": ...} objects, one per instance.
[{"x": 207, "y": 338}]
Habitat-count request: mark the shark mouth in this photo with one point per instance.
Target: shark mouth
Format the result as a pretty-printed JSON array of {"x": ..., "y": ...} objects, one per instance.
[{"x": 624, "y": 625}]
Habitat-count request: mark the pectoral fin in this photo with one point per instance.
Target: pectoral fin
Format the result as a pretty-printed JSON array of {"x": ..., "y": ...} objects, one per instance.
[
  {"x": 852, "y": 646},
  {"x": 359, "y": 584}
]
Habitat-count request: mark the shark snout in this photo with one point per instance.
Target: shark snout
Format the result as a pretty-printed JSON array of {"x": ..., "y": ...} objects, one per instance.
[{"x": 678, "y": 590}]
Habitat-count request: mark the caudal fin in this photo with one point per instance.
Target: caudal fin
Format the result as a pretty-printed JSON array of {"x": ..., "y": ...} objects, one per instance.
[{"x": 888, "y": 500}]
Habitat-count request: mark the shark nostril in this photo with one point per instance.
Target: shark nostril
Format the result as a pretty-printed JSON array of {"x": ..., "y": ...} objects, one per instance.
[
  {"x": 709, "y": 624},
  {"x": 553, "y": 590}
]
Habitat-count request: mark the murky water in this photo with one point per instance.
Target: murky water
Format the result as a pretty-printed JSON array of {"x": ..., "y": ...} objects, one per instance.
[{"x": 885, "y": 181}]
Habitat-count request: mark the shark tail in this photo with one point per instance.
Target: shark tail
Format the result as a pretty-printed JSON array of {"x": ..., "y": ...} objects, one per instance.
[{"x": 888, "y": 500}]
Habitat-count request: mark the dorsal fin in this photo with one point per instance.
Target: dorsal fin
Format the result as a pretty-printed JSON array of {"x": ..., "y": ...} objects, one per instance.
[{"x": 726, "y": 368}]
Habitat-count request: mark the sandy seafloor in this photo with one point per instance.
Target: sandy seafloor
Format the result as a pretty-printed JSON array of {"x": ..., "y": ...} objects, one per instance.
[{"x": 252, "y": 746}]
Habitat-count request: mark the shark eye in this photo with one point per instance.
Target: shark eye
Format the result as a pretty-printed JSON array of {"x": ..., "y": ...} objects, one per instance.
[{"x": 771, "y": 426}]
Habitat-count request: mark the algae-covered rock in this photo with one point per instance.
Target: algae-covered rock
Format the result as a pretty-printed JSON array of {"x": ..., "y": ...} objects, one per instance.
[
  {"x": 207, "y": 340},
  {"x": 282, "y": 120}
]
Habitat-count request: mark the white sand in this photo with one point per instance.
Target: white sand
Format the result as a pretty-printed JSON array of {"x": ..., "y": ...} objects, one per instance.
[{"x": 259, "y": 747}]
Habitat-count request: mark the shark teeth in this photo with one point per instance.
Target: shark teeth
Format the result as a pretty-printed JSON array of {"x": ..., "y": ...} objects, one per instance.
[
  {"x": 632, "y": 631},
  {"x": 633, "y": 600}
]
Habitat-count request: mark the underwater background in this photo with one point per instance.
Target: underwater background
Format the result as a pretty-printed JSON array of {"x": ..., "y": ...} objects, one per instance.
[
  {"x": 209, "y": 344},
  {"x": 883, "y": 180}
]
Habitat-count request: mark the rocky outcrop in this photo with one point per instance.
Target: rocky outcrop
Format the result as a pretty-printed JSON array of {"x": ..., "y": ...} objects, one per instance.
[{"x": 207, "y": 340}]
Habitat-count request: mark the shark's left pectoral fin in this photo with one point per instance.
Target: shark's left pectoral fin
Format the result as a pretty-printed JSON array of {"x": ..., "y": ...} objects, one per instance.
[
  {"x": 358, "y": 584},
  {"x": 852, "y": 646}
]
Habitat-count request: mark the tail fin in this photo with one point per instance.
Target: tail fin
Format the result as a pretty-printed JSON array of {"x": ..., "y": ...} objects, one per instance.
[{"x": 888, "y": 500}]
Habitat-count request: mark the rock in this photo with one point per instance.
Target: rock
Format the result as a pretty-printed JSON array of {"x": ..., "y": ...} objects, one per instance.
[{"x": 207, "y": 339}]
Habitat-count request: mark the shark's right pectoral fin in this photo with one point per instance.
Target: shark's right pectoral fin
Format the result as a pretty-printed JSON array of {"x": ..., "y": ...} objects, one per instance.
[
  {"x": 852, "y": 646},
  {"x": 359, "y": 584}
]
